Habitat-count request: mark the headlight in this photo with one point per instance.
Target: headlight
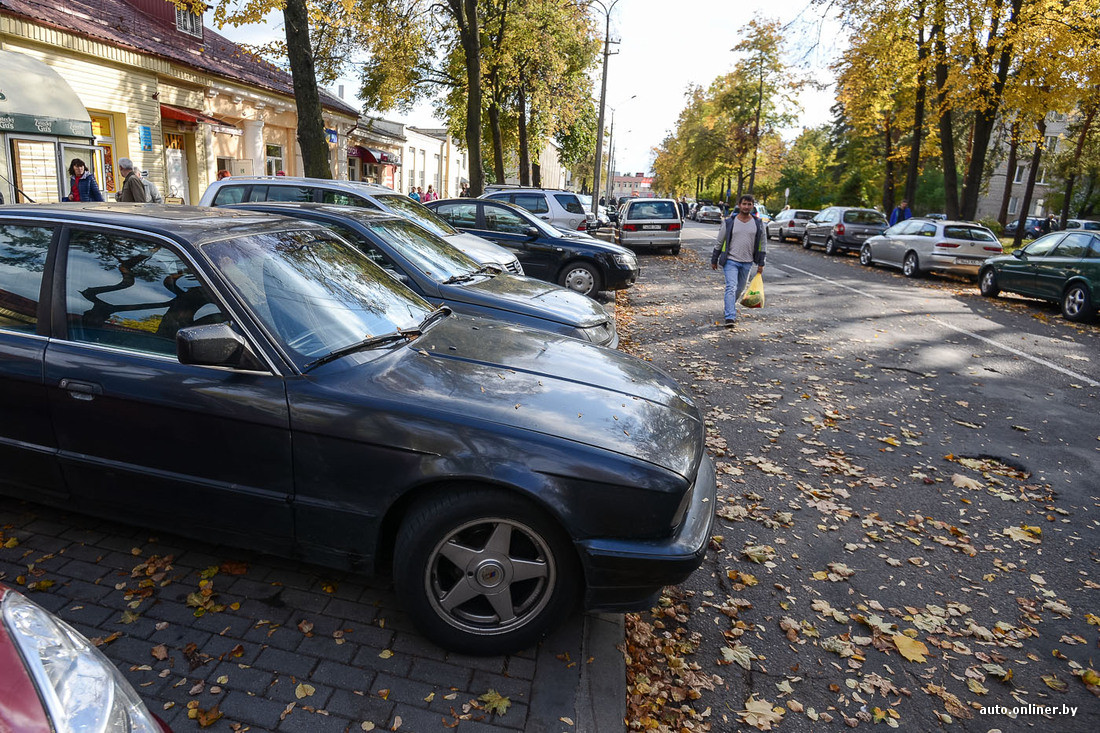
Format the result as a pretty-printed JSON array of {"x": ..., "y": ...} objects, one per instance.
[
  {"x": 83, "y": 691},
  {"x": 626, "y": 259}
]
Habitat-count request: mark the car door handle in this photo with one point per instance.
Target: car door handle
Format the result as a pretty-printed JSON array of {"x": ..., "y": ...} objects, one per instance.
[
  {"x": 545, "y": 218},
  {"x": 81, "y": 390}
]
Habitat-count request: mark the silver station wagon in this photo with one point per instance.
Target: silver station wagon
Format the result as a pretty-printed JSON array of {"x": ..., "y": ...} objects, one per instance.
[
  {"x": 652, "y": 223},
  {"x": 919, "y": 246}
]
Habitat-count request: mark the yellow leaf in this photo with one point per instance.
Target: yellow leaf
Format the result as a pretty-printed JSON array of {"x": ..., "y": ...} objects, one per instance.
[
  {"x": 1053, "y": 682},
  {"x": 965, "y": 482},
  {"x": 911, "y": 649},
  {"x": 367, "y": 725},
  {"x": 495, "y": 702},
  {"x": 304, "y": 690},
  {"x": 385, "y": 654},
  {"x": 760, "y": 714}
]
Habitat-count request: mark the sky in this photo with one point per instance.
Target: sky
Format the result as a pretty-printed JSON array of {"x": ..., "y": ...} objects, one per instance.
[{"x": 665, "y": 46}]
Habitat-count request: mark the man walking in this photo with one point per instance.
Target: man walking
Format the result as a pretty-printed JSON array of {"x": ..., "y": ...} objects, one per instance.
[
  {"x": 132, "y": 187},
  {"x": 741, "y": 243},
  {"x": 901, "y": 212}
]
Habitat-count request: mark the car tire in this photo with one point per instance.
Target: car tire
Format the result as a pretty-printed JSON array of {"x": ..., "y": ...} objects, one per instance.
[
  {"x": 675, "y": 250},
  {"x": 580, "y": 277},
  {"x": 806, "y": 241},
  {"x": 830, "y": 246},
  {"x": 1077, "y": 303},
  {"x": 865, "y": 257},
  {"x": 987, "y": 283},
  {"x": 910, "y": 266},
  {"x": 468, "y": 545}
]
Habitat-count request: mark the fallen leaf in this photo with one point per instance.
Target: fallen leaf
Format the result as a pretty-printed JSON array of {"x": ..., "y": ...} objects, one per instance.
[
  {"x": 911, "y": 649},
  {"x": 495, "y": 702},
  {"x": 760, "y": 714},
  {"x": 304, "y": 690},
  {"x": 965, "y": 482},
  {"x": 159, "y": 652}
]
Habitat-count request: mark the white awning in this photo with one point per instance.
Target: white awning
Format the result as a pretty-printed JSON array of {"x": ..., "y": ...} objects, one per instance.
[{"x": 35, "y": 99}]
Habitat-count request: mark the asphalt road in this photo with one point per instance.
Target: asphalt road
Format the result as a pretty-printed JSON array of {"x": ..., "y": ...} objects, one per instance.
[{"x": 900, "y": 461}]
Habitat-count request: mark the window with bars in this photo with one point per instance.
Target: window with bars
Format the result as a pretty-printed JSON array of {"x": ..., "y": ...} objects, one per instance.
[{"x": 188, "y": 22}]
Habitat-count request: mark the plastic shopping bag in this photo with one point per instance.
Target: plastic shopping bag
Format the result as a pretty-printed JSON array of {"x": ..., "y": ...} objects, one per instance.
[{"x": 754, "y": 293}]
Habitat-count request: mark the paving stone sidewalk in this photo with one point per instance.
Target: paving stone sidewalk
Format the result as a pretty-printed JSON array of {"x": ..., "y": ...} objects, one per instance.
[{"x": 286, "y": 646}]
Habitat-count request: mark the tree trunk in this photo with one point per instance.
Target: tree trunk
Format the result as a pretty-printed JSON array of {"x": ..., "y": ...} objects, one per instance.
[
  {"x": 1010, "y": 175},
  {"x": 536, "y": 175},
  {"x": 311, "y": 124},
  {"x": 465, "y": 14},
  {"x": 888, "y": 182},
  {"x": 494, "y": 126},
  {"x": 1036, "y": 158},
  {"x": 986, "y": 119},
  {"x": 524, "y": 153},
  {"x": 947, "y": 133},
  {"x": 1072, "y": 175},
  {"x": 913, "y": 171},
  {"x": 1087, "y": 207},
  {"x": 756, "y": 131}
]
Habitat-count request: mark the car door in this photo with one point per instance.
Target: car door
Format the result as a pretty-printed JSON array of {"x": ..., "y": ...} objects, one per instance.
[
  {"x": 535, "y": 203},
  {"x": 28, "y": 448},
  {"x": 822, "y": 224},
  {"x": 1064, "y": 261},
  {"x": 508, "y": 229},
  {"x": 1018, "y": 274},
  {"x": 198, "y": 450}
]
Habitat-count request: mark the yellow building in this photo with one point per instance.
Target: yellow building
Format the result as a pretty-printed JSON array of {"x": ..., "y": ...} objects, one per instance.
[{"x": 155, "y": 86}]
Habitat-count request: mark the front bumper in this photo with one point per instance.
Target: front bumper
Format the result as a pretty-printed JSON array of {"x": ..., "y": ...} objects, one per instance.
[
  {"x": 620, "y": 278},
  {"x": 627, "y": 575}
]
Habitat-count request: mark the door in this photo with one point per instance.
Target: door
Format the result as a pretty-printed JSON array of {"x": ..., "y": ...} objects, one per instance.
[
  {"x": 197, "y": 450},
  {"x": 1018, "y": 275},
  {"x": 509, "y": 229},
  {"x": 175, "y": 169},
  {"x": 1058, "y": 266},
  {"x": 28, "y": 450},
  {"x": 92, "y": 157}
]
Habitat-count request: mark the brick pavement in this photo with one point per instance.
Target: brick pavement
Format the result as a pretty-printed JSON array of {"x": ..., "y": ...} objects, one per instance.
[{"x": 360, "y": 662}]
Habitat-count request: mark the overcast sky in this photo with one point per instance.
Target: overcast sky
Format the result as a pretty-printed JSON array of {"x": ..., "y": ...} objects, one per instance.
[{"x": 665, "y": 46}]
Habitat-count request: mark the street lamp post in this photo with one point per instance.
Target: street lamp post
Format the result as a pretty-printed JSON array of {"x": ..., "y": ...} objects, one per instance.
[
  {"x": 603, "y": 100},
  {"x": 611, "y": 146}
]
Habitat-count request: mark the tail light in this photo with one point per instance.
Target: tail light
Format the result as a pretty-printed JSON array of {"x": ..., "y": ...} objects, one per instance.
[
  {"x": 630, "y": 227},
  {"x": 946, "y": 245},
  {"x": 674, "y": 227},
  {"x": 583, "y": 227},
  {"x": 791, "y": 223},
  {"x": 839, "y": 230},
  {"x": 991, "y": 248}
]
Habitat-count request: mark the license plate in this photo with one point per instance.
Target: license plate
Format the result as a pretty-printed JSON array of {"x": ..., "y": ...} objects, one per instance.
[
  {"x": 651, "y": 226},
  {"x": 967, "y": 261}
]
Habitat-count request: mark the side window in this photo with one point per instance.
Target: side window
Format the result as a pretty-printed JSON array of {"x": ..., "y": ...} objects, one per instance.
[
  {"x": 926, "y": 230},
  {"x": 1042, "y": 246},
  {"x": 502, "y": 220},
  {"x": 23, "y": 252},
  {"x": 571, "y": 203},
  {"x": 533, "y": 202},
  {"x": 346, "y": 199},
  {"x": 459, "y": 214},
  {"x": 229, "y": 195},
  {"x": 1094, "y": 248},
  {"x": 500, "y": 196},
  {"x": 132, "y": 293},
  {"x": 289, "y": 193},
  {"x": 1074, "y": 245}
]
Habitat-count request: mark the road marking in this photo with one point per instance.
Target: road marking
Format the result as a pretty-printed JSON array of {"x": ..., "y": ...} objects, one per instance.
[{"x": 991, "y": 342}]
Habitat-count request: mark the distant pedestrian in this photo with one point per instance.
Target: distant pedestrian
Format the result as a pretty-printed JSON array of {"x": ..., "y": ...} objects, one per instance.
[
  {"x": 741, "y": 243},
  {"x": 430, "y": 195},
  {"x": 223, "y": 174},
  {"x": 413, "y": 194},
  {"x": 901, "y": 212},
  {"x": 465, "y": 192},
  {"x": 683, "y": 207},
  {"x": 152, "y": 193},
  {"x": 82, "y": 185},
  {"x": 1050, "y": 224},
  {"x": 132, "y": 188}
]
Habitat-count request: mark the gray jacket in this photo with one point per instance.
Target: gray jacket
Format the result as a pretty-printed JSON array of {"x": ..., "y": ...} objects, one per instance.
[{"x": 721, "y": 248}]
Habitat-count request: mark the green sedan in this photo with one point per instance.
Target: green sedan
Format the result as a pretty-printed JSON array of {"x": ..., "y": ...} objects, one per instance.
[{"x": 1063, "y": 267}]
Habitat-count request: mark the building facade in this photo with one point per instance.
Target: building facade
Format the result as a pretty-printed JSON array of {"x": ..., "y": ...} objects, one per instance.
[
  {"x": 157, "y": 87},
  {"x": 1015, "y": 181},
  {"x": 637, "y": 185}
]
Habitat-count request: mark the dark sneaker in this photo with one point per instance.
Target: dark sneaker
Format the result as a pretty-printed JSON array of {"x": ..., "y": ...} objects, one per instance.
[{"x": 730, "y": 323}]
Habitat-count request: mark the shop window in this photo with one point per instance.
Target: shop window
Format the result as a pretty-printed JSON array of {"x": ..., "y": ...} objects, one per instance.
[
  {"x": 274, "y": 159},
  {"x": 34, "y": 164},
  {"x": 188, "y": 22}
]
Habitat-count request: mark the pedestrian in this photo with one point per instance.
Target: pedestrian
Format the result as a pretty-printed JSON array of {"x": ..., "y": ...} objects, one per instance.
[
  {"x": 683, "y": 207},
  {"x": 223, "y": 174},
  {"x": 413, "y": 194},
  {"x": 1049, "y": 224},
  {"x": 132, "y": 188},
  {"x": 430, "y": 195},
  {"x": 465, "y": 192},
  {"x": 420, "y": 194},
  {"x": 901, "y": 212},
  {"x": 152, "y": 193},
  {"x": 82, "y": 185},
  {"x": 741, "y": 243}
]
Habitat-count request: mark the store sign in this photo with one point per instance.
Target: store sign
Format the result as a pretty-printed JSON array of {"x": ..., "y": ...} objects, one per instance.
[
  {"x": 145, "y": 138},
  {"x": 13, "y": 122}
]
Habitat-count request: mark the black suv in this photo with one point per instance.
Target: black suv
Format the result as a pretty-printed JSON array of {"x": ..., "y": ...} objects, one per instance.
[{"x": 579, "y": 262}]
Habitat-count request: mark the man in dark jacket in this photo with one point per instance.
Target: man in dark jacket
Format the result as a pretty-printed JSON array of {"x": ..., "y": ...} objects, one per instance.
[
  {"x": 132, "y": 187},
  {"x": 741, "y": 243}
]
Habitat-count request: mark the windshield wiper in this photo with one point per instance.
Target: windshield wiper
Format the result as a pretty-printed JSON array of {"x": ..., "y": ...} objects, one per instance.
[
  {"x": 368, "y": 343},
  {"x": 489, "y": 270},
  {"x": 464, "y": 277},
  {"x": 429, "y": 319}
]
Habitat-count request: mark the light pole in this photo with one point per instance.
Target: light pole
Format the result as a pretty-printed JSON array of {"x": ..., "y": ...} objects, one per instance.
[
  {"x": 611, "y": 146},
  {"x": 603, "y": 100}
]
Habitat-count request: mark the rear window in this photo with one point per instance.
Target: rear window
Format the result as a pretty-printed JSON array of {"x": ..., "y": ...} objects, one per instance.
[
  {"x": 653, "y": 210},
  {"x": 804, "y": 214},
  {"x": 861, "y": 216},
  {"x": 570, "y": 202},
  {"x": 973, "y": 233}
]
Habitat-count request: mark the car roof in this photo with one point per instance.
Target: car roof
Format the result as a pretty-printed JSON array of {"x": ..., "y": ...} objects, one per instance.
[
  {"x": 332, "y": 210},
  {"x": 196, "y": 224},
  {"x": 331, "y": 183}
]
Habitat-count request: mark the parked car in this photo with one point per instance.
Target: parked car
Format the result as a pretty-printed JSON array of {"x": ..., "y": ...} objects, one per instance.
[
  {"x": 1062, "y": 267},
  {"x": 1033, "y": 227},
  {"x": 759, "y": 212},
  {"x": 840, "y": 228},
  {"x": 789, "y": 224},
  {"x": 935, "y": 217},
  {"x": 1085, "y": 224},
  {"x": 53, "y": 679},
  {"x": 557, "y": 207},
  {"x": 442, "y": 275},
  {"x": 581, "y": 263},
  {"x": 650, "y": 222},
  {"x": 918, "y": 246},
  {"x": 257, "y": 379},
  {"x": 235, "y": 190},
  {"x": 709, "y": 215},
  {"x": 602, "y": 218}
]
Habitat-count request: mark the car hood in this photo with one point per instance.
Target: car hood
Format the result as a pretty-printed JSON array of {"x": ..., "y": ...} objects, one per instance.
[
  {"x": 482, "y": 250},
  {"x": 485, "y": 371},
  {"x": 530, "y": 297}
]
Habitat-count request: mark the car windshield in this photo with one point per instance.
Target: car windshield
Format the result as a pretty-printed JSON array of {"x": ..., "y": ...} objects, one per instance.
[
  {"x": 653, "y": 210},
  {"x": 976, "y": 234},
  {"x": 862, "y": 216},
  {"x": 427, "y": 252},
  {"x": 314, "y": 292},
  {"x": 418, "y": 213}
]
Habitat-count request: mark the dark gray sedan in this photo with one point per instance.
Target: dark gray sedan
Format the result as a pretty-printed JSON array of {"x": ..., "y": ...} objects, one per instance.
[
  {"x": 841, "y": 228},
  {"x": 259, "y": 380}
]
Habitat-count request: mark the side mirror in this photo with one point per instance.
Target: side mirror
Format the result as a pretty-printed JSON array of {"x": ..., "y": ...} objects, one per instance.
[
  {"x": 1018, "y": 254},
  {"x": 215, "y": 345},
  {"x": 532, "y": 232}
]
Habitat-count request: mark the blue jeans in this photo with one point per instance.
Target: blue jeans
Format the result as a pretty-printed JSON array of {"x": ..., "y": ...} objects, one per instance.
[{"x": 737, "y": 277}]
